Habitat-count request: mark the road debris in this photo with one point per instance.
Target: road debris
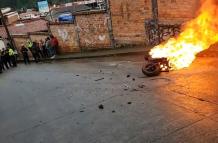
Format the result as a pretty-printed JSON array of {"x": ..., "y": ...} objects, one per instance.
[
  {"x": 133, "y": 90},
  {"x": 141, "y": 86},
  {"x": 129, "y": 103},
  {"x": 113, "y": 111},
  {"x": 126, "y": 87},
  {"x": 99, "y": 79},
  {"x": 101, "y": 107}
]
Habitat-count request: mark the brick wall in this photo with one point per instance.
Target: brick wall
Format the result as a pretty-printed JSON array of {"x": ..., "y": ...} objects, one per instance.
[
  {"x": 177, "y": 11},
  {"x": 38, "y": 36},
  {"x": 19, "y": 40},
  {"x": 67, "y": 37},
  {"x": 93, "y": 30},
  {"x": 128, "y": 18}
]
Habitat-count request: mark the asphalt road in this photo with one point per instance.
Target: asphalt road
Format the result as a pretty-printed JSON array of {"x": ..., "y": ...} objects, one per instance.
[{"x": 59, "y": 102}]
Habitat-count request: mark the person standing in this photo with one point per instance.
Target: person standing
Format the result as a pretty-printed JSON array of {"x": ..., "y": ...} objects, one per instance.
[
  {"x": 35, "y": 52},
  {"x": 24, "y": 52},
  {"x": 41, "y": 52},
  {"x": 1, "y": 63},
  {"x": 29, "y": 46},
  {"x": 54, "y": 45},
  {"x": 48, "y": 46},
  {"x": 7, "y": 57},
  {"x": 4, "y": 61},
  {"x": 12, "y": 57},
  {"x": 44, "y": 49}
]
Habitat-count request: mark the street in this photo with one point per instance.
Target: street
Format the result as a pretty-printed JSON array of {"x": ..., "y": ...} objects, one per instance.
[{"x": 109, "y": 100}]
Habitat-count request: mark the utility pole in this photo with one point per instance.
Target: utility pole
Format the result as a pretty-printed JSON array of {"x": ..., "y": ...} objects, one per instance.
[
  {"x": 110, "y": 24},
  {"x": 155, "y": 17},
  {"x": 6, "y": 28}
]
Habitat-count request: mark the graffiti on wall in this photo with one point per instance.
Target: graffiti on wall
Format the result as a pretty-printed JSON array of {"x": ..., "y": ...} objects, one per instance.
[
  {"x": 92, "y": 33},
  {"x": 63, "y": 33},
  {"x": 158, "y": 33}
]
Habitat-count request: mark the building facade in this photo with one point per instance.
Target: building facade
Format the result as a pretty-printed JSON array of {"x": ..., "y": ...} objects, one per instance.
[{"x": 129, "y": 17}]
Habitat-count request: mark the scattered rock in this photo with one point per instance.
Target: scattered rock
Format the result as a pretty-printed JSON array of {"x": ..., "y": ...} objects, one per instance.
[
  {"x": 129, "y": 103},
  {"x": 77, "y": 75},
  {"x": 81, "y": 111},
  {"x": 128, "y": 76},
  {"x": 141, "y": 86},
  {"x": 134, "y": 90},
  {"x": 99, "y": 79},
  {"x": 113, "y": 111},
  {"x": 126, "y": 87},
  {"x": 201, "y": 99},
  {"x": 133, "y": 79},
  {"x": 101, "y": 107}
]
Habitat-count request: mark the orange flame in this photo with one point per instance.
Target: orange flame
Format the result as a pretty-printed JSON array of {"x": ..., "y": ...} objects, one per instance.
[{"x": 197, "y": 35}]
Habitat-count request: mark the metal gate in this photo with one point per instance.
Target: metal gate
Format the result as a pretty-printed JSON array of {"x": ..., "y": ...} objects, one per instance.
[{"x": 158, "y": 32}]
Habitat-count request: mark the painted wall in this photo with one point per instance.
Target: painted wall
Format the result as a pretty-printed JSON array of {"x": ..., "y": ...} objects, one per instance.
[
  {"x": 177, "y": 11},
  {"x": 128, "y": 19},
  {"x": 19, "y": 40},
  {"x": 67, "y": 37},
  {"x": 128, "y": 16},
  {"x": 93, "y": 30},
  {"x": 89, "y": 32},
  {"x": 38, "y": 36}
]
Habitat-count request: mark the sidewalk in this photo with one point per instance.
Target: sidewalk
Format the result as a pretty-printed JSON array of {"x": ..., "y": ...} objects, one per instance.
[{"x": 104, "y": 53}]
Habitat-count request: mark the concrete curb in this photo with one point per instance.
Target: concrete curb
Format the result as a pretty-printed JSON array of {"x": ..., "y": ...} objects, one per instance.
[
  {"x": 98, "y": 54},
  {"x": 84, "y": 56}
]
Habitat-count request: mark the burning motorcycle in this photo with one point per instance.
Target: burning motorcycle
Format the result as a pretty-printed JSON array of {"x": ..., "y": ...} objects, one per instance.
[{"x": 154, "y": 66}]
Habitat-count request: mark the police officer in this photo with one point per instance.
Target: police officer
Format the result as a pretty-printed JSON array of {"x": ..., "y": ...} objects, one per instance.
[
  {"x": 12, "y": 57},
  {"x": 32, "y": 47},
  {"x": 5, "y": 59}
]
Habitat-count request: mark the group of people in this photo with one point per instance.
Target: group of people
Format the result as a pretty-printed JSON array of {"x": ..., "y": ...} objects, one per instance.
[
  {"x": 40, "y": 49},
  {"x": 8, "y": 58}
]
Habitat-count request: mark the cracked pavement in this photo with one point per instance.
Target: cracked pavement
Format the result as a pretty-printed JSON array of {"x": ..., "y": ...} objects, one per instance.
[{"x": 58, "y": 103}]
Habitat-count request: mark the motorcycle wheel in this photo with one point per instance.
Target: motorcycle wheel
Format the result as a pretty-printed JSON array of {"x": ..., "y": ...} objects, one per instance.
[{"x": 151, "y": 70}]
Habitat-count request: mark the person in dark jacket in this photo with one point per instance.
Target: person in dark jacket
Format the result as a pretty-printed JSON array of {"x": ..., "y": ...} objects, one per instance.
[
  {"x": 1, "y": 63},
  {"x": 35, "y": 52},
  {"x": 44, "y": 49},
  {"x": 24, "y": 52},
  {"x": 54, "y": 45},
  {"x": 7, "y": 58}
]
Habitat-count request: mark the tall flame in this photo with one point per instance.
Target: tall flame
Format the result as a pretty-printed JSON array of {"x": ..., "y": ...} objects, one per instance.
[{"x": 197, "y": 35}]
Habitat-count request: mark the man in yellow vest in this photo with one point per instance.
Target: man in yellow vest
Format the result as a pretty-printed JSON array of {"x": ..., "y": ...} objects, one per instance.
[{"x": 12, "y": 57}]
